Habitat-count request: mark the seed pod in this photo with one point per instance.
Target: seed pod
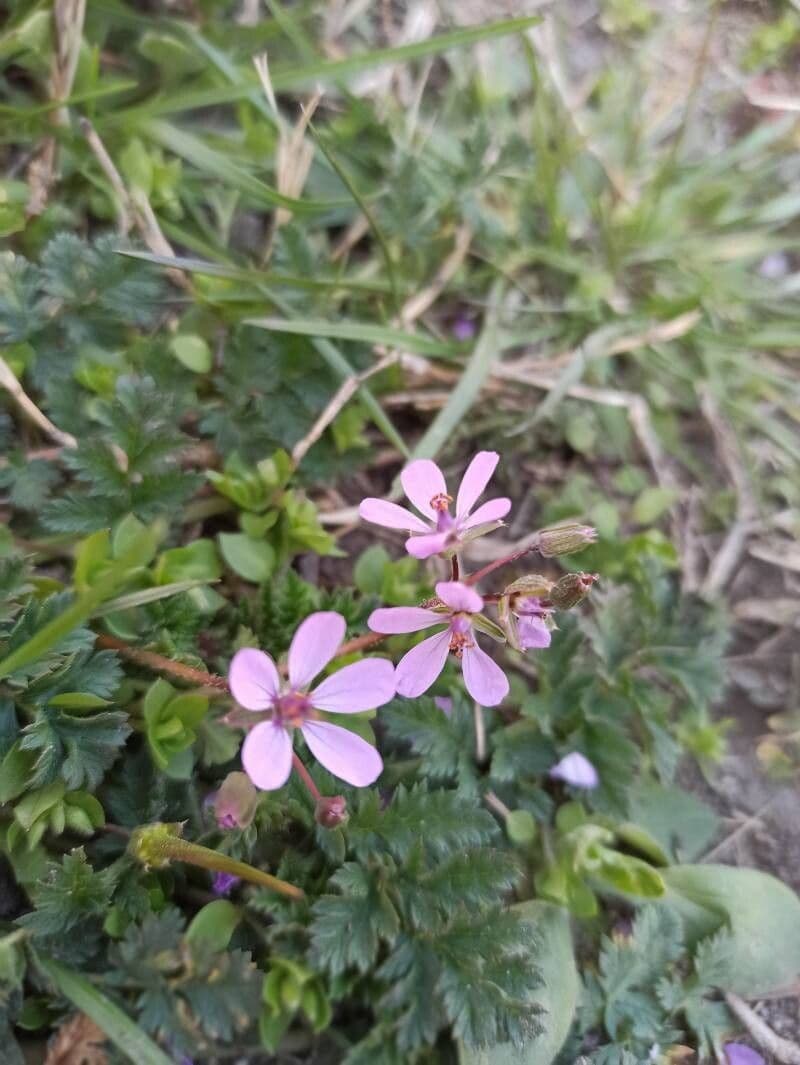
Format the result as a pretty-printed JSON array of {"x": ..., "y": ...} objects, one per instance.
[
  {"x": 565, "y": 539},
  {"x": 571, "y": 589}
]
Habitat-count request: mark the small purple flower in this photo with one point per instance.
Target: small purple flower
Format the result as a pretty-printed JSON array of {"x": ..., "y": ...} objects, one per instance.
[
  {"x": 256, "y": 685},
  {"x": 576, "y": 769},
  {"x": 425, "y": 486},
  {"x": 445, "y": 704},
  {"x": 464, "y": 328},
  {"x": 741, "y": 1054},
  {"x": 419, "y": 667},
  {"x": 224, "y": 883}
]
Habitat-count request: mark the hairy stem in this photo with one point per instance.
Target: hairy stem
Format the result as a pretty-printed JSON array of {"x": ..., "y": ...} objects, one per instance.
[
  {"x": 479, "y": 574},
  {"x": 156, "y": 845}
]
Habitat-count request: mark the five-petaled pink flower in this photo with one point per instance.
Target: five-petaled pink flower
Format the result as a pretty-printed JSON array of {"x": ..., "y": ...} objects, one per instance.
[
  {"x": 419, "y": 668},
  {"x": 256, "y": 685},
  {"x": 424, "y": 484}
]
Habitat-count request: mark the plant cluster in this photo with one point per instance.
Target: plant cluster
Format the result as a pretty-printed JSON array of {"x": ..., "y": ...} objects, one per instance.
[{"x": 271, "y": 788}]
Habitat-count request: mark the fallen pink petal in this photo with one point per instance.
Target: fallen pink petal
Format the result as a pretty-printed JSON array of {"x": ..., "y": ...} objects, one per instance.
[
  {"x": 439, "y": 530},
  {"x": 741, "y": 1054},
  {"x": 576, "y": 770},
  {"x": 256, "y": 685}
]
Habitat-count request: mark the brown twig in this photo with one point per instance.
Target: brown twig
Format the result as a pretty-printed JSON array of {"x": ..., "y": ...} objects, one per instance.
[
  {"x": 734, "y": 545},
  {"x": 9, "y": 382},
  {"x": 783, "y": 1050},
  {"x": 198, "y": 677},
  {"x": 340, "y": 398}
]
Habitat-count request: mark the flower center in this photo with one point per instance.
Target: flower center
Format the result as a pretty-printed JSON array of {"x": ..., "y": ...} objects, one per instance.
[
  {"x": 460, "y": 634},
  {"x": 292, "y": 709},
  {"x": 441, "y": 504}
]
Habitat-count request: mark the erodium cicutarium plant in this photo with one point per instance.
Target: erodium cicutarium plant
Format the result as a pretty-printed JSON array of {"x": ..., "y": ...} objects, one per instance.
[{"x": 458, "y": 611}]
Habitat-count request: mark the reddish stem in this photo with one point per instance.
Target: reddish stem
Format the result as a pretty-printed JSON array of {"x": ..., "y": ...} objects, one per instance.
[
  {"x": 306, "y": 777},
  {"x": 455, "y": 569},
  {"x": 478, "y": 575}
]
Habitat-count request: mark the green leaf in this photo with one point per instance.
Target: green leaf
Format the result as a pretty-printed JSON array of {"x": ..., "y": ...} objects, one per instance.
[
  {"x": 77, "y": 701},
  {"x": 762, "y": 914},
  {"x": 192, "y": 351},
  {"x": 126, "y": 1036},
  {"x": 15, "y": 772},
  {"x": 213, "y": 925},
  {"x": 652, "y": 503},
  {"x": 680, "y": 822},
  {"x": 549, "y": 940},
  {"x": 252, "y": 559}
]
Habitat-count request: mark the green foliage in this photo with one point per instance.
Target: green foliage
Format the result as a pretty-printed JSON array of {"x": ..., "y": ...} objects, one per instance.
[{"x": 596, "y": 292}]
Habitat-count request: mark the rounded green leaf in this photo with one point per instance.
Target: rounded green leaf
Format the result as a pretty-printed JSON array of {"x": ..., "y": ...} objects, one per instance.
[
  {"x": 213, "y": 925},
  {"x": 192, "y": 351},
  {"x": 762, "y": 913},
  {"x": 252, "y": 559}
]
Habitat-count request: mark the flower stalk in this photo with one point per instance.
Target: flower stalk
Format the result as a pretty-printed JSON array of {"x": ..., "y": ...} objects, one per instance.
[{"x": 156, "y": 845}]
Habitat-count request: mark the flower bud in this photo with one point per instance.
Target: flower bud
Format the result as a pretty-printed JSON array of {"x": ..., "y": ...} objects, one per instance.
[
  {"x": 565, "y": 539},
  {"x": 532, "y": 585},
  {"x": 235, "y": 802},
  {"x": 331, "y": 811},
  {"x": 571, "y": 589}
]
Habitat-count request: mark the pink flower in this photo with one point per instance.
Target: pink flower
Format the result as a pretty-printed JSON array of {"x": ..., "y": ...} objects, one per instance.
[
  {"x": 256, "y": 685},
  {"x": 419, "y": 668},
  {"x": 424, "y": 485},
  {"x": 532, "y": 630},
  {"x": 576, "y": 769},
  {"x": 741, "y": 1054}
]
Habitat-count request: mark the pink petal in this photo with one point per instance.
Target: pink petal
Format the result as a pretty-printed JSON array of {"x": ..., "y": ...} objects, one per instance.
[
  {"x": 576, "y": 769},
  {"x": 313, "y": 646},
  {"x": 426, "y": 546},
  {"x": 420, "y": 666},
  {"x": 484, "y": 679},
  {"x": 533, "y": 633},
  {"x": 253, "y": 679},
  {"x": 267, "y": 755},
  {"x": 391, "y": 516},
  {"x": 459, "y": 596},
  {"x": 395, "y": 619},
  {"x": 421, "y": 481},
  {"x": 357, "y": 687},
  {"x": 494, "y": 510},
  {"x": 343, "y": 753},
  {"x": 476, "y": 477}
]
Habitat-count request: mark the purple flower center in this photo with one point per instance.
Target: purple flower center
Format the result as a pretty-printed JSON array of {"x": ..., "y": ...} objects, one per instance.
[
  {"x": 444, "y": 519},
  {"x": 292, "y": 709}
]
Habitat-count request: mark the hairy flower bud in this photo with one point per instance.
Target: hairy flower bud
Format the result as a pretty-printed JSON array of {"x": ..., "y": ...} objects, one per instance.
[
  {"x": 571, "y": 589},
  {"x": 235, "y": 802},
  {"x": 531, "y": 585},
  {"x": 331, "y": 811},
  {"x": 565, "y": 539}
]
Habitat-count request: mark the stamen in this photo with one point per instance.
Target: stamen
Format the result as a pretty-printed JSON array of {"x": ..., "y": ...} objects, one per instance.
[
  {"x": 292, "y": 709},
  {"x": 460, "y": 641},
  {"x": 441, "y": 502}
]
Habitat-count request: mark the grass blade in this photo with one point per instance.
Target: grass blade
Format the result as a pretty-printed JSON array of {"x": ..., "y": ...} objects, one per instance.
[
  {"x": 365, "y": 332},
  {"x": 334, "y": 70},
  {"x": 470, "y": 383},
  {"x": 117, "y": 1025}
]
